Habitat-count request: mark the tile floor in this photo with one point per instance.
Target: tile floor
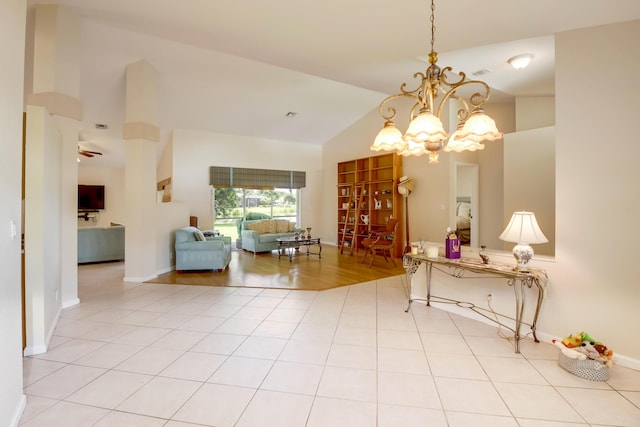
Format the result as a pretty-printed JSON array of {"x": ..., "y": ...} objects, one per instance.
[{"x": 176, "y": 356}]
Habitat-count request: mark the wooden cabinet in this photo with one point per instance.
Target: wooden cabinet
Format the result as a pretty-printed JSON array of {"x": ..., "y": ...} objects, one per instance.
[{"x": 366, "y": 198}]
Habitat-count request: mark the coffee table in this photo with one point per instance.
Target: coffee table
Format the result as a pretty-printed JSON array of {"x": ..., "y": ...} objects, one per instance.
[{"x": 291, "y": 247}]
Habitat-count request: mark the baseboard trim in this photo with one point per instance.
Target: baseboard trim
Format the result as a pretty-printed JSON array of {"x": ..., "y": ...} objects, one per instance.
[
  {"x": 139, "y": 279},
  {"x": 70, "y": 303},
  {"x": 165, "y": 270},
  {"x": 17, "y": 415},
  {"x": 43, "y": 348},
  {"x": 33, "y": 350},
  {"x": 618, "y": 359}
]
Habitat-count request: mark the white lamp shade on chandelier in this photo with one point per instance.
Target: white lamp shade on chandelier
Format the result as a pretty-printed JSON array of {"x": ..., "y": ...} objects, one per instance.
[
  {"x": 480, "y": 127},
  {"x": 389, "y": 139},
  {"x": 523, "y": 229},
  {"x": 458, "y": 144},
  {"x": 425, "y": 128}
]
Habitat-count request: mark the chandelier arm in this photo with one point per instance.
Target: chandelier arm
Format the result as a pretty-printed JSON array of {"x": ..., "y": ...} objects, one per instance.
[
  {"x": 416, "y": 75},
  {"x": 476, "y": 100},
  {"x": 482, "y": 98},
  {"x": 447, "y": 73},
  {"x": 464, "y": 112},
  {"x": 392, "y": 110}
]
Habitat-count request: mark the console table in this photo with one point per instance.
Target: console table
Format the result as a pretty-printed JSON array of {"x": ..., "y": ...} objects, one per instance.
[{"x": 519, "y": 280}]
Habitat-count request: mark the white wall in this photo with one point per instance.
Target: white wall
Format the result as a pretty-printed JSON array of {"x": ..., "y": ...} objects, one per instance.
[
  {"x": 165, "y": 164},
  {"x": 113, "y": 181},
  {"x": 194, "y": 152},
  {"x": 170, "y": 217},
  {"x": 43, "y": 261},
  {"x": 12, "y": 37}
]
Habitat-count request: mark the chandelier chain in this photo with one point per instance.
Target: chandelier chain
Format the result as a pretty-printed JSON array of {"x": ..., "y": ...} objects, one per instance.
[{"x": 433, "y": 24}]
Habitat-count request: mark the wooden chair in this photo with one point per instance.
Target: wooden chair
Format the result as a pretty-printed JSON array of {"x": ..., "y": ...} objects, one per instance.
[{"x": 381, "y": 242}]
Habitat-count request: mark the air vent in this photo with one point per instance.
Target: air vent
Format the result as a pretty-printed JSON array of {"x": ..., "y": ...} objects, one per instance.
[
  {"x": 481, "y": 72},
  {"x": 101, "y": 126}
]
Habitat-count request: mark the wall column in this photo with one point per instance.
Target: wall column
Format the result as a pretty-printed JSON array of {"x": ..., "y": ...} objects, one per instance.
[
  {"x": 141, "y": 134},
  {"x": 54, "y": 114}
]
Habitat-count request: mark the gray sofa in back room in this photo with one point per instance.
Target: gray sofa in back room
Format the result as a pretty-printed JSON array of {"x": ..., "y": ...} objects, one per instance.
[{"x": 100, "y": 244}]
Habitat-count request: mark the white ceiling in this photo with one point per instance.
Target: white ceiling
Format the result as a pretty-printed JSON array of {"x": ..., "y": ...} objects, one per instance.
[{"x": 239, "y": 67}]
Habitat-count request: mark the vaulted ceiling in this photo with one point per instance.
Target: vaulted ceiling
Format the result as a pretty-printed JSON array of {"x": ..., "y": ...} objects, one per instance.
[{"x": 240, "y": 67}]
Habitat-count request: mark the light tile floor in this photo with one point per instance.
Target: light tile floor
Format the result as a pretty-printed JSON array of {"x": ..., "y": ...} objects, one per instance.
[{"x": 176, "y": 356}]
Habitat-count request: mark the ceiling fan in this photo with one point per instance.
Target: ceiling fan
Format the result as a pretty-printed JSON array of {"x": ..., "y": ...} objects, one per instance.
[
  {"x": 82, "y": 137},
  {"x": 88, "y": 153}
]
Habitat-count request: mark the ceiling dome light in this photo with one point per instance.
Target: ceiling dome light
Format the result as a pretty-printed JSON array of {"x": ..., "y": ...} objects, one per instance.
[{"x": 520, "y": 61}]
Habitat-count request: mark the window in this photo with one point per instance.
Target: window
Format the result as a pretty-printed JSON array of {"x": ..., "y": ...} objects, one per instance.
[
  {"x": 239, "y": 191},
  {"x": 231, "y": 204}
]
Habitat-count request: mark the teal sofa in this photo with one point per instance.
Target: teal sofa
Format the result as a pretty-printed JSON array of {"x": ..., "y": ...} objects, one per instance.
[
  {"x": 265, "y": 239},
  {"x": 250, "y": 216},
  {"x": 214, "y": 253},
  {"x": 100, "y": 244}
]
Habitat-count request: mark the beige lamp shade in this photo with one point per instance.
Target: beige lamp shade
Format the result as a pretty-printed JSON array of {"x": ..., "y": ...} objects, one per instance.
[{"x": 406, "y": 185}]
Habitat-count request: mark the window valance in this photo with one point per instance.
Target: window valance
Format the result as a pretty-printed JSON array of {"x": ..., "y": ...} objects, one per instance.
[{"x": 228, "y": 177}]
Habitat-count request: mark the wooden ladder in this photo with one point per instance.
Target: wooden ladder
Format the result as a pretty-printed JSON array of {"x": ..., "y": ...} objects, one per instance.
[{"x": 357, "y": 190}]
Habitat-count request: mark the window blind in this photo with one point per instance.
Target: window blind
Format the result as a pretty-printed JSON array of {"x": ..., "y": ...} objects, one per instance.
[{"x": 227, "y": 177}]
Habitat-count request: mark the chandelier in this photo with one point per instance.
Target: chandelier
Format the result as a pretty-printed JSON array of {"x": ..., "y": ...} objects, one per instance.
[{"x": 426, "y": 133}]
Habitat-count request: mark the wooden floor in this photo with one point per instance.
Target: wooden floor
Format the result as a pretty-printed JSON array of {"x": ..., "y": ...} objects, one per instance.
[{"x": 265, "y": 270}]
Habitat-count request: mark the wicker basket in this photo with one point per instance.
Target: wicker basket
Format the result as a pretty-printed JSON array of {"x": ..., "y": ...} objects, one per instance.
[{"x": 587, "y": 369}]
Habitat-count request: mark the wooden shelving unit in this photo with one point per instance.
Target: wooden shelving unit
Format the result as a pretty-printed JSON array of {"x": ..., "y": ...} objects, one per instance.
[{"x": 367, "y": 189}]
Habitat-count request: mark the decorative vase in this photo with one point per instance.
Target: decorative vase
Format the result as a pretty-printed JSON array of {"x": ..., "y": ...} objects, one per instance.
[{"x": 483, "y": 254}]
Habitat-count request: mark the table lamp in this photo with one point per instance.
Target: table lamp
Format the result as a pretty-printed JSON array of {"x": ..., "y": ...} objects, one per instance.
[{"x": 523, "y": 229}]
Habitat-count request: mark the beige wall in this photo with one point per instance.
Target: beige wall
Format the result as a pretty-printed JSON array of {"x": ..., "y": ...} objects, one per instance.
[
  {"x": 535, "y": 112},
  {"x": 12, "y": 36},
  {"x": 432, "y": 200},
  {"x": 596, "y": 197},
  {"x": 529, "y": 181}
]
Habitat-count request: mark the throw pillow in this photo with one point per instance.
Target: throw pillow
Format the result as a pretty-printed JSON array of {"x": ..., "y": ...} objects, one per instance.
[
  {"x": 292, "y": 226},
  {"x": 199, "y": 236},
  {"x": 282, "y": 225},
  {"x": 272, "y": 225},
  {"x": 259, "y": 226}
]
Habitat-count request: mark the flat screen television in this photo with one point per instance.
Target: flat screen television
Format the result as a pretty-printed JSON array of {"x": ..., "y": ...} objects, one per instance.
[{"x": 90, "y": 197}]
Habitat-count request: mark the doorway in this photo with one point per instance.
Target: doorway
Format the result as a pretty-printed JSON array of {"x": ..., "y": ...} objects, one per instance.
[{"x": 465, "y": 202}]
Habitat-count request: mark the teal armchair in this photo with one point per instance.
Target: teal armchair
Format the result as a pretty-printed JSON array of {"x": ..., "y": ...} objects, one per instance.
[{"x": 212, "y": 254}]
